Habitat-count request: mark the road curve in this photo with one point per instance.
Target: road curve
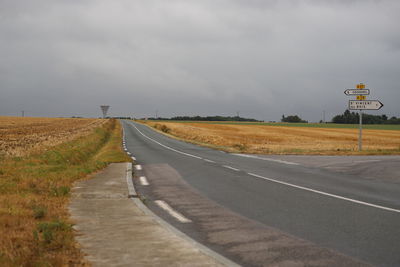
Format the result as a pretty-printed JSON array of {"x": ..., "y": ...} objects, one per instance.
[{"x": 356, "y": 217}]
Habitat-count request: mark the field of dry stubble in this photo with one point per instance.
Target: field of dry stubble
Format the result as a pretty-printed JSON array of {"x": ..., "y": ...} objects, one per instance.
[
  {"x": 21, "y": 136},
  {"x": 267, "y": 139},
  {"x": 40, "y": 159}
]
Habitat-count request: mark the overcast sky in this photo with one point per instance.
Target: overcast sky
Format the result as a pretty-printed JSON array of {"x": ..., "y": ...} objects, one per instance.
[{"x": 263, "y": 58}]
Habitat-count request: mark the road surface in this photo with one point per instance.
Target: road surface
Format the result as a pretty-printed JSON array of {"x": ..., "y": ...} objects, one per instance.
[{"x": 348, "y": 217}]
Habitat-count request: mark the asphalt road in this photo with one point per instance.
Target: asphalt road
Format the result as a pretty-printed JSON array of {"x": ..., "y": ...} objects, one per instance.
[{"x": 345, "y": 213}]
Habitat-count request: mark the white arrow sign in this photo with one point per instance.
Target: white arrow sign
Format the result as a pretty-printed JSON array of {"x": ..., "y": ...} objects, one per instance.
[
  {"x": 356, "y": 91},
  {"x": 365, "y": 104}
]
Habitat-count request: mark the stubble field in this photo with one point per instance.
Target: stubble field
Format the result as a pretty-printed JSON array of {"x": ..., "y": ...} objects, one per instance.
[
  {"x": 269, "y": 139},
  {"x": 40, "y": 159},
  {"x": 21, "y": 136}
]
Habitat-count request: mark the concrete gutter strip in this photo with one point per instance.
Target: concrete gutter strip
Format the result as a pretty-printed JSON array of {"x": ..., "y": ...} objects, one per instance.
[
  {"x": 131, "y": 188},
  {"x": 113, "y": 231},
  {"x": 174, "y": 230},
  {"x": 202, "y": 248}
]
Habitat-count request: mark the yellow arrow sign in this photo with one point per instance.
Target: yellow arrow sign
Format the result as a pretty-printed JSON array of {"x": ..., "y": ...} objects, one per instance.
[{"x": 361, "y": 97}]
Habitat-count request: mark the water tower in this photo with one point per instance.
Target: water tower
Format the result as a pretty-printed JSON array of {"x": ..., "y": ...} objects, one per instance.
[{"x": 104, "y": 109}]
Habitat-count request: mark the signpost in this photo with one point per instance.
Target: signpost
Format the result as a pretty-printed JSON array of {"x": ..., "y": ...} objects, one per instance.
[
  {"x": 365, "y": 104},
  {"x": 361, "y": 104},
  {"x": 356, "y": 91}
]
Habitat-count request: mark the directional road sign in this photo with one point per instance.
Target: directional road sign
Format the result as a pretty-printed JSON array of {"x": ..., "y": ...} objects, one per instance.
[
  {"x": 360, "y": 86},
  {"x": 365, "y": 104},
  {"x": 356, "y": 91}
]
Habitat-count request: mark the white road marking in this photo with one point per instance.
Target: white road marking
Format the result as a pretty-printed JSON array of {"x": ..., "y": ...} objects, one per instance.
[
  {"x": 138, "y": 167},
  {"x": 133, "y": 158},
  {"x": 267, "y": 159},
  {"x": 365, "y": 161},
  {"x": 229, "y": 167},
  {"x": 129, "y": 153},
  {"x": 274, "y": 180},
  {"x": 208, "y": 160},
  {"x": 143, "y": 180},
  {"x": 325, "y": 194},
  {"x": 162, "y": 204},
  {"x": 167, "y": 147}
]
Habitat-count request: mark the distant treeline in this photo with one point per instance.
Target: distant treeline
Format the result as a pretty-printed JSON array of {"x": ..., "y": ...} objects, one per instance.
[
  {"x": 352, "y": 118},
  {"x": 292, "y": 118},
  {"x": 208, "y": 118}
]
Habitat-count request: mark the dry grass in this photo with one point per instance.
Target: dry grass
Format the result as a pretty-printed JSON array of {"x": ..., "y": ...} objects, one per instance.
[
  {"x": 35, "y": 229},
  {"x": 20, "y": 136},
  {"x": 283, "y": 140}
]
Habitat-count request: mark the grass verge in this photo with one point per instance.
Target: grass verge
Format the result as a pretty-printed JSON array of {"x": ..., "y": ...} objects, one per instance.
[{"x": 35, "y": 228}]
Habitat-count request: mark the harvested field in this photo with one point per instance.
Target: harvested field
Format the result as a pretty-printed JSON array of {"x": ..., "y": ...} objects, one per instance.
[
  {"x": 21, "y": 136},
  {"x": 45, "y": 157},
  {"x": 267, "y": 139}
]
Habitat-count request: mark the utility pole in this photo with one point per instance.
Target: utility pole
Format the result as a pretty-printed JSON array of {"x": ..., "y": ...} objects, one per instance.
[
  {"x": 237, "y": 114},
  {"x": 23, "y": 113},
  {"x": 156, "y": 114},
  {"x": 323, "y": 117}
]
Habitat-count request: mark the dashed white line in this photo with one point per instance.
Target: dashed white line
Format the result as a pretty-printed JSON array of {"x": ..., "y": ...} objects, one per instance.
[
  {"x": 143, "y": 180},
  {"x": 129, "y": 153},
  {"x": 167, "y": 147},
  {"x": 138, "y": 167},
  {"x": 162, "y": 204},
  {"x": 325, "y": 193},
  {"x": 208, "y": 160},
  {"x": 273, "y": 180},
  {"x": 229, "y": 167},
  {"x": 133, "y": 158}
]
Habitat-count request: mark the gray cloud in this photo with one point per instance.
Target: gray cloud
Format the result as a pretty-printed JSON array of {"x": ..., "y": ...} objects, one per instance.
[{"x": 262, "y": 58}]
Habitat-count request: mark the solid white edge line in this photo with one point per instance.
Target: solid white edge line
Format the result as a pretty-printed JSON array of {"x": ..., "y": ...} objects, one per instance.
[
  {"x": 208, "y": 160},
  {"x": 267, "y": 159},
  {"x": 162, "y": 204},
  {"x": 138, "y": 167},
  {"x": 143, "y": 181},
  {"x": 167, "y": 147},
  {"x": 229, "y": 167},
  {"x": 280, "y": 182},
  {"x": 325, "y": 194}
]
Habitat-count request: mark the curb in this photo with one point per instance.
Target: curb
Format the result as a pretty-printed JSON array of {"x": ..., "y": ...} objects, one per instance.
[
  {"x": 131, "y": 189},
  {"x": 132, "y": 194}
]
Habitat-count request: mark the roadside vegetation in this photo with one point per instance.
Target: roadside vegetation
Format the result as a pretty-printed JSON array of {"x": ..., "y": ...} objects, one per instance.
[
  {"x": 35, "y": 185},
  {"x": 281, "y": 138}
]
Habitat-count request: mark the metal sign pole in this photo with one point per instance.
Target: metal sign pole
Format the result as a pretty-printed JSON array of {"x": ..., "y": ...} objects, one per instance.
[
  {"x": 361, "y": 104},
  {"x": 360, "y": 133}
]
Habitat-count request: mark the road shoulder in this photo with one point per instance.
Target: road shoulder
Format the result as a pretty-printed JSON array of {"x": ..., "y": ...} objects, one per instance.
[{"x": 113, "y": 230}]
